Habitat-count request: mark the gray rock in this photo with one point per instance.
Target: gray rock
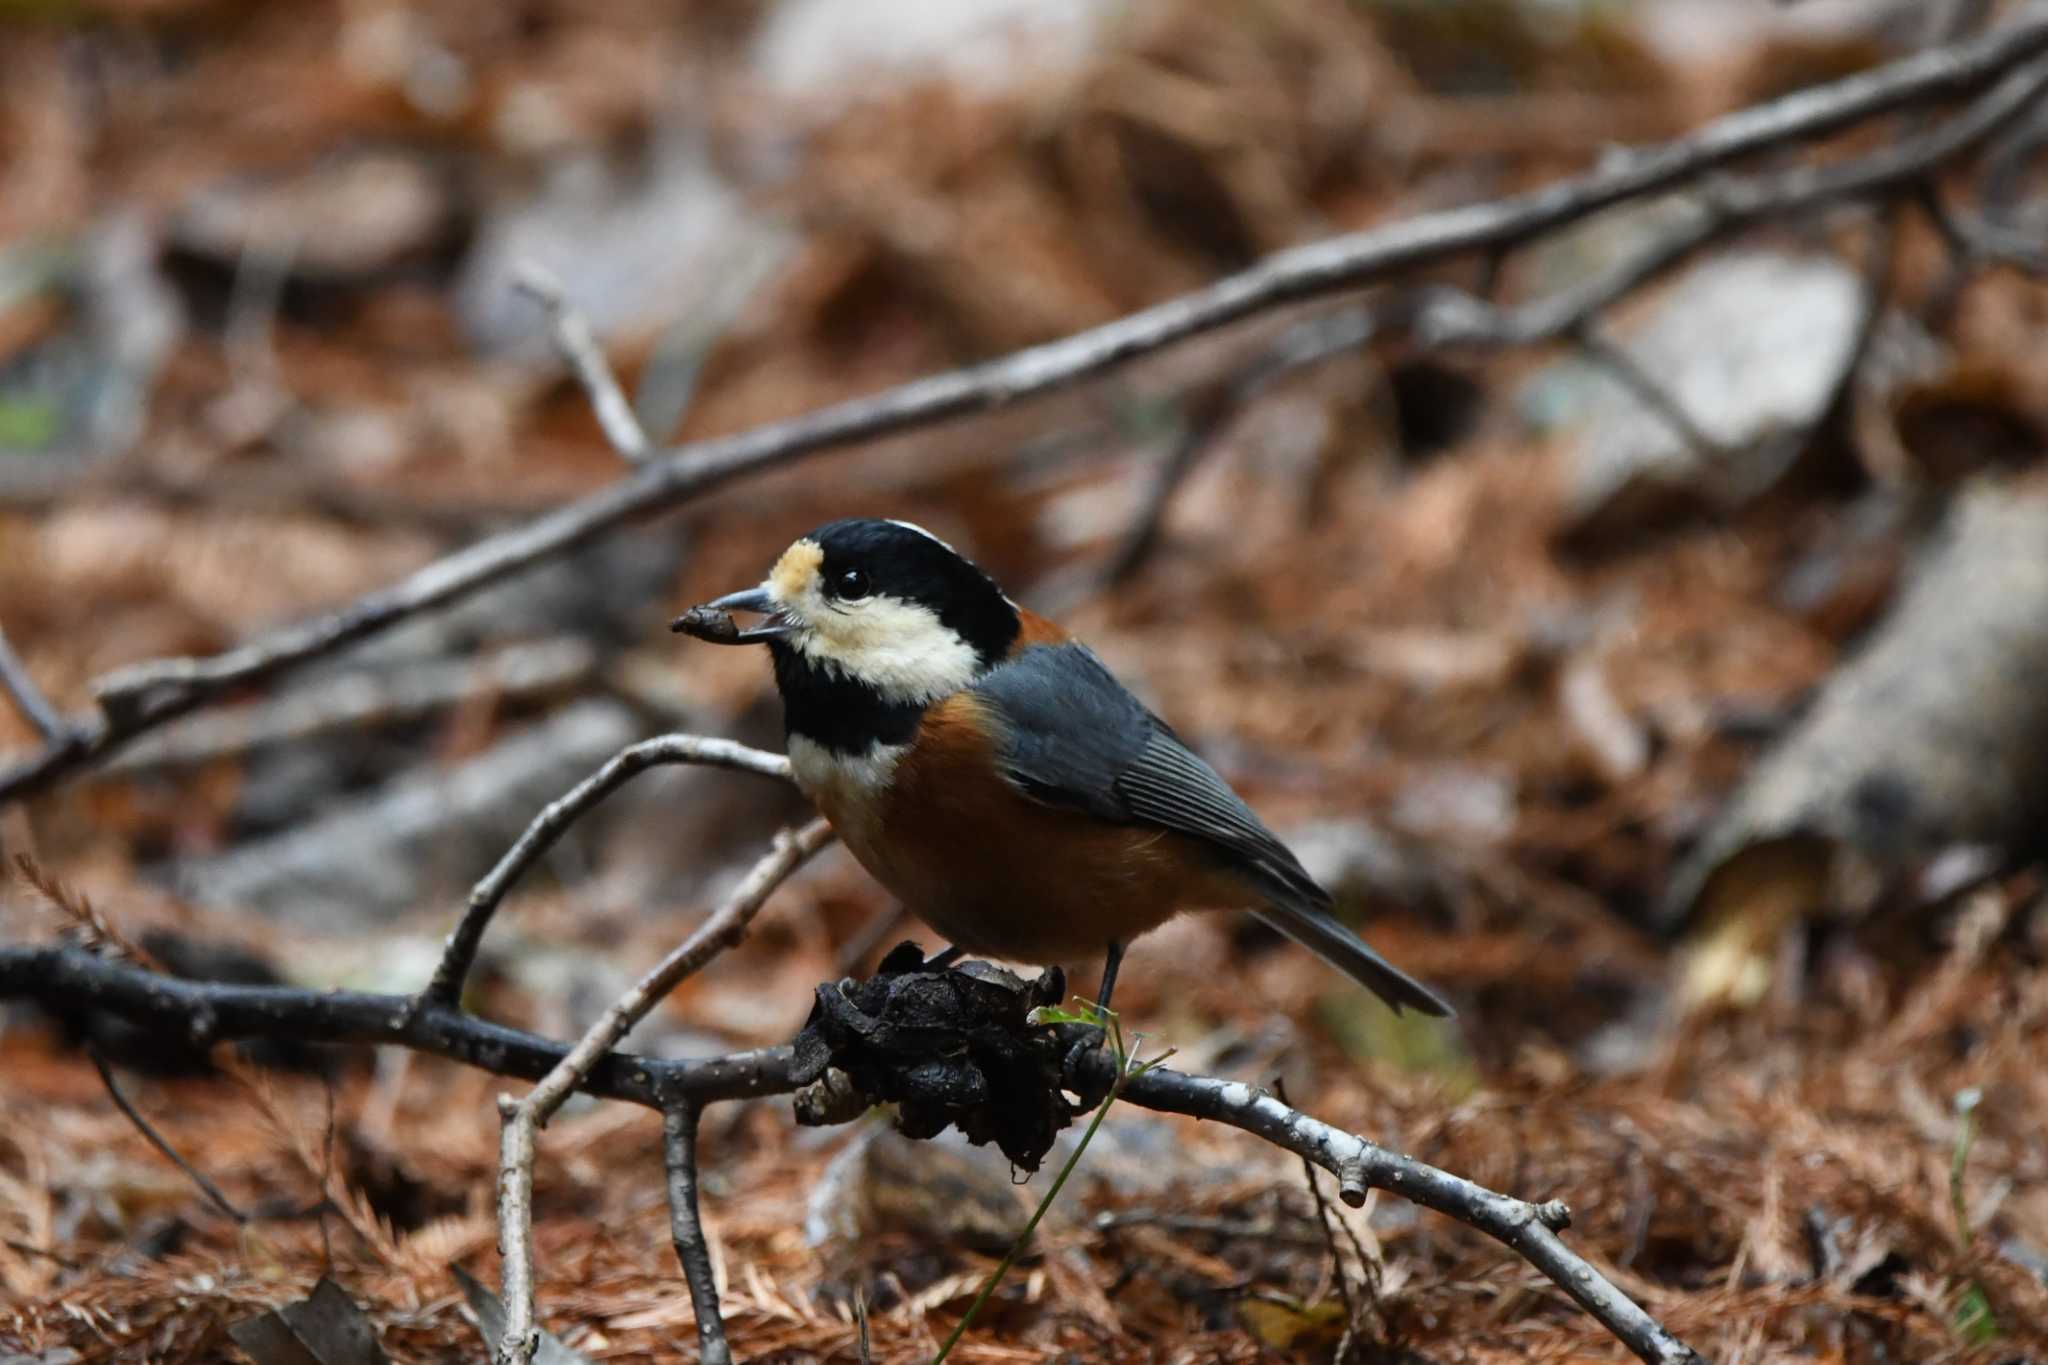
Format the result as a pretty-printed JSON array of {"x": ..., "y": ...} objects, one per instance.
[{"x": 1752, "y": 348}]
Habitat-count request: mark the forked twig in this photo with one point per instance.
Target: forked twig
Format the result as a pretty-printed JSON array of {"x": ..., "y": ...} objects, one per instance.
[
  {"x": 523, "y": 1119},
  {"x": 460, "y": 953}
]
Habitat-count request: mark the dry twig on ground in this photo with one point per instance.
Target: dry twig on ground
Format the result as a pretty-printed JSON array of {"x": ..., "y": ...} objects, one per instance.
[
  {"x": 523, "y": 1119},
  {"x": 212, "y": 1011}
]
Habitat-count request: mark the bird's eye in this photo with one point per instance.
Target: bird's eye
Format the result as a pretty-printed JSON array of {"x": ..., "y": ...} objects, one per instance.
[{"x": 850, "y": 586}]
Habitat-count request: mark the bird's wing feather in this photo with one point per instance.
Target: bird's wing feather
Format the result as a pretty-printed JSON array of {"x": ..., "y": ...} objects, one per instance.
[{"x": 1072, "y": 736}]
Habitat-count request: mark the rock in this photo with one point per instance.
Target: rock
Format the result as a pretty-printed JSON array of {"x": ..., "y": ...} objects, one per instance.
[
  {"x": 342, "y": 222},
  {"x": 829, "y": 51},
  {"x": 673, "y": 239},
  {"x": 1752, "y": 348},
  {"x": 941, "y": 1193}
]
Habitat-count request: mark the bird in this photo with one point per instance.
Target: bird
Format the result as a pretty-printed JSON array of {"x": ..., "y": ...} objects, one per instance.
[{"x": 987, "y": 768}]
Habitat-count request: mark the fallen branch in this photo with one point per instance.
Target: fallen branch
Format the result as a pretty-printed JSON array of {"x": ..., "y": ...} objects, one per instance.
[
  {"x": 143, "y": 696},
  {"x": 363, "y": 699},
  {"x": 208, "y": 1011},
  {"x": 1446, "y": 318}
]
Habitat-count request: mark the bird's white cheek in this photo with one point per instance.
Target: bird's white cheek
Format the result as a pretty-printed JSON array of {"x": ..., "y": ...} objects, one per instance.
[{"x": 900, "y": 650}]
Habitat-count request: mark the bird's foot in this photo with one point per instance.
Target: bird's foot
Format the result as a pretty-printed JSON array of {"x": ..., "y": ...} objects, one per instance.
[
  {"x": 1091, "y": 1067},
  {"x": 1088, "y": 1062}
]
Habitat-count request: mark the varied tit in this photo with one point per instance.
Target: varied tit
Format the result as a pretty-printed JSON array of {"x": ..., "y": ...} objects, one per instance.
[{"x": 990, "y": 771}]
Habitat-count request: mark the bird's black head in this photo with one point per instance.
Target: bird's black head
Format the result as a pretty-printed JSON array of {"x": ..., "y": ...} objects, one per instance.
[
  {"x": 871, "y": 616},
  {"x": 882, "y": 585}
]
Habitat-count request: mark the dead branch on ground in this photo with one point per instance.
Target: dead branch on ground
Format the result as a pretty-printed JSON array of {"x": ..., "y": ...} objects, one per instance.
[{"x": 213, "y": 1012}]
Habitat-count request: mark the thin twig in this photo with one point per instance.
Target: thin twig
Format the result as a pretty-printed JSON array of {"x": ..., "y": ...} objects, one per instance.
[
  {"x": 578, "y": 348},
  {"x": 160, "y": 1142},
  {"x": 686, "y": 1231},
  {"x": 523, "y": 1119},
  {"x": 1880, "y": 265},
  {"x": 35, "y": 708},
  {"x": 1327, "y": 1221},
  {"x": 143, "y": 696},
  {"x": 206, "y": 1010},
  {"x": 1975, "y": 242},
  {"x": 1302, "y": 346},
  {"x": 1530, "y": 1230},
  {"x": 460, "y": 954},
  {"x": 1648, "y": 390}
]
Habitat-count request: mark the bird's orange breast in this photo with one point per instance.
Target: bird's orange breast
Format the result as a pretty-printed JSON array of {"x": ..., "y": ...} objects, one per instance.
[{"x": 1000, "y": 874}]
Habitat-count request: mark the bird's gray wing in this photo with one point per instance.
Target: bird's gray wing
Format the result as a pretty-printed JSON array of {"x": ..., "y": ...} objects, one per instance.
[
  {"x": 1070, "y": 735},
  {"x": 1073, "y": 736}
]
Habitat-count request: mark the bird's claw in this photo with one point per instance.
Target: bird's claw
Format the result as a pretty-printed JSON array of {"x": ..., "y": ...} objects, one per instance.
[{"x": 1087, "y": 1077}]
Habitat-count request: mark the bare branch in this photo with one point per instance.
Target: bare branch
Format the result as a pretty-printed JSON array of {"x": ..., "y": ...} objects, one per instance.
[
  {"x": 28, "y": 698},
  {"x": 143, "y": 696},
  {"x": 524, "y": 1119},
  {"x": 578, "y": 348},
  {"x": 686, "y": 1231},
  {"x": 460, "y": 954},
  {"x": 205, "y": 1012},
  {"x": 210, "y": 1010},
  {"x": 1648, "y": 390},
  {"x": 1530, "y": 1230},
  {"x": 1329, "y": 1223},
  {"x": 1301, "y": 347},
  {"x": 1443, "y": 317}
]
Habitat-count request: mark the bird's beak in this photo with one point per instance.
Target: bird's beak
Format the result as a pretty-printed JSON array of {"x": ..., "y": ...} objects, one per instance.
[{"x": 713, "y": 620}]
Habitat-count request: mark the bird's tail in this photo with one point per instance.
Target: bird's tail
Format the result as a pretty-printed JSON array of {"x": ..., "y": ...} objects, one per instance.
[{"x": 1320, "y": 933}]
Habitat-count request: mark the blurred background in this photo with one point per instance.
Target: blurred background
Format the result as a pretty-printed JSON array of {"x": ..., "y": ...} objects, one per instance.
[{"x": 1670, "y": 696}]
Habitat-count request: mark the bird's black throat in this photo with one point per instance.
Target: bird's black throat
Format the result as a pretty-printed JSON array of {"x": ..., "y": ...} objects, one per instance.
[{"x": 834, "y": 711}]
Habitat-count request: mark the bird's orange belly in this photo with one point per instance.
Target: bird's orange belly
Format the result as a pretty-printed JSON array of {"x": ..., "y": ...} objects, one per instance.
[{"x": 1029, "y": 883}]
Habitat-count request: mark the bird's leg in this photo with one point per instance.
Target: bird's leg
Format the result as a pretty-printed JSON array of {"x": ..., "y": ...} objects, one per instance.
[
  {"x": 1110, "y": 963},
  {"x": 1095, "y": 1036},
  {"x": 946, "y": 958}
]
